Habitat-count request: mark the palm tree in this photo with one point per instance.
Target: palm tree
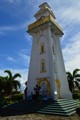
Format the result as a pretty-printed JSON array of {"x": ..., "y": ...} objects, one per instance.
[
  {"x": 1, "y": 84},
  {"x": 10, "y": 82},
  {"x": 73, "y": 78}
]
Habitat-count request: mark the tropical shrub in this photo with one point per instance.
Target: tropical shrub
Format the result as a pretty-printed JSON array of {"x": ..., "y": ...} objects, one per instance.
[
  {"x": 73, "y": 80},
  {"x": 9, "y": 83},
  {"x": 13, "y": 98},
  {"x": 2, "y": 101},
  {"x": 17, "y": 97}
]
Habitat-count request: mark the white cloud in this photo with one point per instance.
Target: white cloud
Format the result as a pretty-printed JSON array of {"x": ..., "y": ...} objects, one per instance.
[
  {"x": 13, "y": 1},
  {"x": 2, "y": 33},
  {"x": 24, "y": 51},
  {"x": 70, "y": 15},
  {"x": 71, "y": 53},
  {"x": 67, "y": 13},
  {"x": 11, "y": 59},
  {"x": 28, "y": 38},
  {"x": 9, "y": 28},
  {"x": 13, "y": 27},
  {"x": 24, "y": 57}
]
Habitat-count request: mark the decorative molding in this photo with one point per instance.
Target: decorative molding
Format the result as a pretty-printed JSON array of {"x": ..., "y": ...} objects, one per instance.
[
  {"x": 58, "y": 87},
  {"x": 41, "y": 35}
]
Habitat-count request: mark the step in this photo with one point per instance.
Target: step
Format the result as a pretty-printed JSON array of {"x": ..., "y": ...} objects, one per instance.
[
  {"x": 66, "y": 106},
  {"x": 77, "y": 101},
  {"x": 58, "y": 112},
  {"x": 51, "y": 113},
  {"x": 55, "y": 110},
  {"x": 59, "y": 108},
  {"x": 66, "y": 102},
  {"x": 61, "y": 105},
  {"x": 71, "y": 113}
]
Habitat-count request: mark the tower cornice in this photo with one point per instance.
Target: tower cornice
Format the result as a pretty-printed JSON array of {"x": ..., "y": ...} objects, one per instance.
[{"x": 47, "y": 19}]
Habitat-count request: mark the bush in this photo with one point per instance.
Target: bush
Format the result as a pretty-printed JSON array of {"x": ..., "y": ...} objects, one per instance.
[
  {"x": 76, "y": 95},
  {"x": 2, "y": 101},
  {"x": 17, "y": 97},
  {"x": 14, "y": 98},
  {"x": 78, "y": 111}
]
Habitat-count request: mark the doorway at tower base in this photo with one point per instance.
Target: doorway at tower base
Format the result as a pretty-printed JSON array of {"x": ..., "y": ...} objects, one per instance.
[{"x": 45, "y": 86}]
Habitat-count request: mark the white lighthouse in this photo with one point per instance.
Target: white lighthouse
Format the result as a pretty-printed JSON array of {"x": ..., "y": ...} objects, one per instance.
[{"x": 46, "y": 64}]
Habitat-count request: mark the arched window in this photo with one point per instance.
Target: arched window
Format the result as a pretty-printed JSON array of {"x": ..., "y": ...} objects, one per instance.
[
  {"x": 42, "y": 48},
  {"x": 42, "y": 66}
]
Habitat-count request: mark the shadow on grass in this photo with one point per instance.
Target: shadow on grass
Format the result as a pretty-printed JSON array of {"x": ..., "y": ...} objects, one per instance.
[{"x": 22, "y": 107}]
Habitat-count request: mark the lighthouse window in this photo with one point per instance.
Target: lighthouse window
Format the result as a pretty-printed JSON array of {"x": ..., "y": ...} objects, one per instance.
[
  {"x": 42, "y": 48},
  {"x": 43, "y": 66}
]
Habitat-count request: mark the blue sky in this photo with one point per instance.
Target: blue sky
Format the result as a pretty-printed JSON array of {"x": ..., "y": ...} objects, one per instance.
[{"x": 15, "y": 43}]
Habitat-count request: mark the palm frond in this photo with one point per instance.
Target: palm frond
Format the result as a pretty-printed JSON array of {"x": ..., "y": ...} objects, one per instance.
[
  {"x": 78, "y": 79},
  {"x": 69, "y": 76},
  {"x": 16, "y": 84},
  {"x": 9, "y": 73},
  {"x": 77, "y": 76},
  {"x": 77, "y": 84},
  {"x": 1, "y": 83},
  {"x": 16, "y": 75},
  {"x": 75, "y": 72}
]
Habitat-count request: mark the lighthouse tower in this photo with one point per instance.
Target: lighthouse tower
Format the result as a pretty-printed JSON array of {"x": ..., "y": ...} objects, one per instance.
[{"x": 46, "y": 64}]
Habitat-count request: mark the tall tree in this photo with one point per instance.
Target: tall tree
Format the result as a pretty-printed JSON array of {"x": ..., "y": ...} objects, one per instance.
[
  {"x": 1, "y": 83},
  {"x": 10, "y": 82},
  {"x": 73, "y": 78}
]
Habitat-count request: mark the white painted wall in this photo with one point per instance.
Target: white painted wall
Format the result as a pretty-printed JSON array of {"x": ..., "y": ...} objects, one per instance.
[
  {"x": 61, "y": 74},
  {"x": 34, "y": 70},
  {"x": 54, "y": 63}
]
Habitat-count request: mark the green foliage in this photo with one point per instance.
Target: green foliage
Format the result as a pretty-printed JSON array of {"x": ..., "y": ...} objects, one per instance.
[
  {"x": 75, "y": 72},
  {"x": 1, "y": 84},
  {"x": 14, "y": 98},
  {"x": 17, "y": 97},
  {"x": 9, "y": 83},
  {"x": 73, "y": 79},
  {"x": 76, "y": 95},
  {"x": 2, "y": 101}
]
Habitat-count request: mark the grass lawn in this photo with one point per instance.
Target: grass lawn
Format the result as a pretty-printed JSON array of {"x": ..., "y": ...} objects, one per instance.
[{"x": 40, "y": 117}]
